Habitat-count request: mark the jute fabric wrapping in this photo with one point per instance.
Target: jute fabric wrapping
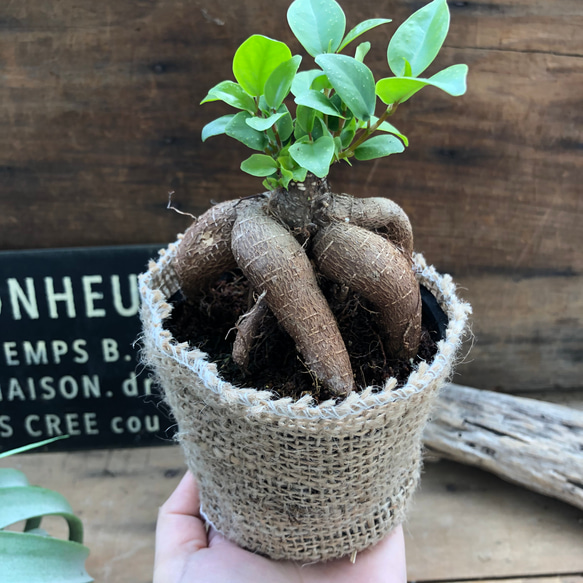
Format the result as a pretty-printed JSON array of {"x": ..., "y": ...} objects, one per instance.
[{"x": 295, "y": 480}]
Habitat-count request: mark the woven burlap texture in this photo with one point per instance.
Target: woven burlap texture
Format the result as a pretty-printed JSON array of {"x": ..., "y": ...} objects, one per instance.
[{"x": 295, "y": 480}]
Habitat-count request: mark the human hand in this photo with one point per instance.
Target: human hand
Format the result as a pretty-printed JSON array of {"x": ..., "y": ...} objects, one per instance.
[{"x": 185, "y": 553}]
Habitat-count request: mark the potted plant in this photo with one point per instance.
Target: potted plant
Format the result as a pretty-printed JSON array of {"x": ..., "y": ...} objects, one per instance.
[{"x": 326, "y": 470}]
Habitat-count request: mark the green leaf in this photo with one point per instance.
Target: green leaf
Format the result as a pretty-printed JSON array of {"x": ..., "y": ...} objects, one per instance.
[
  {"x": 285, "y": 126},
  {"x": 347, "y": 133},
  {"x": 353, "y": 81},
  {"x": 259, "y": 165},
  {"x": 378, "y": 146},
  {"x": 305, "y": 117},
  {"x": 10, "y": 477},
  {"x": 231, "y": 93},
  {"x": 263, "y": 123},
  {"x": 216, "y": 127},
  {"x": 389, "y": 128},
  {"x": 419, "y": 39},
  {"x": 319, "y": 25},
  {"x": 361, "y": 29},
  {"x": 361, "y": 51},
  {"x": 315, "y": 157},
  {"x": 303, "y": 81},
  {"x": 237, "y": 128},
  {"x": 24, "y": 502},
  {"x": 317, "y": 101},
  {"x": 256, "y": 59},
  {"x": 32, "y": 558},
  {"x": 279, "y": 82},
  {"x": 398, "y": 89}
]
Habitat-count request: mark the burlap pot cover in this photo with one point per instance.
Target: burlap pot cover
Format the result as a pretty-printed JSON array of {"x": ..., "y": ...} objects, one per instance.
[{"x": 295, "y": 480}]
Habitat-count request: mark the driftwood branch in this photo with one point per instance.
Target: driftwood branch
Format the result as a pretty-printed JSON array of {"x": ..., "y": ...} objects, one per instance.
[{"x": 532, "y": 443}]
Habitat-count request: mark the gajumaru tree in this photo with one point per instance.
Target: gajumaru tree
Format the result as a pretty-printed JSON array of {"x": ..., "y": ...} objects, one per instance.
[{"x": 281, "y": 238}]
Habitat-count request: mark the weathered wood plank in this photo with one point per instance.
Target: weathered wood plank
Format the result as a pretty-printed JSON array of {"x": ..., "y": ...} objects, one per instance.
[
  {"x": 464, "y": 523},
  {"x": 528, "y": 442}
]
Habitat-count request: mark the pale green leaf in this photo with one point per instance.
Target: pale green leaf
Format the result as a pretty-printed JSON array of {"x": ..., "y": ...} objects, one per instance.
[
  {"x": 347, "y": 133},
  {"x": 285, "y": 126},
  {"x": 319, "y": 25},
  {"x": 259, "y": 165},
  {"x": 263, "y": 123},
  {"x": 256, "y": 59},
  {"x": 24, "y": 502},
  {"x": 361, "y": 51},
  {"x": 232, "y": 94},
  {"x": 303, "y": 81},
  {"x": 305, "y": 118},
  {"x": 315, "y": 157},
  {"x": 319, "y": 102},
  {"x": 30, "y": 446},
  {"x": 216, "y": 127},
  {"x": 361, "y": 29},
  {"x": 33, "y": 558},
  {"x": 419, "y": 39},
  {"x": 238, "y": 129},
  {"x": 353, "y": 81},
  {"x": 379, "y": 146},
  {"x": 279, "y": 82},
  {"x": 10, "y": 477},
  {"x": 398, "y": 89}
]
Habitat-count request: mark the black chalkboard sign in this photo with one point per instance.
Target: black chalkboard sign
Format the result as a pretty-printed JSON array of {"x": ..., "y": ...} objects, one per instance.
[{"x": 68, "y": 360}]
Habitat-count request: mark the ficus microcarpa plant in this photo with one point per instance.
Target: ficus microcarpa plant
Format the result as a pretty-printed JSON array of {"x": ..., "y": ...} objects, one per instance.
[{"x": 283, "y": 240}]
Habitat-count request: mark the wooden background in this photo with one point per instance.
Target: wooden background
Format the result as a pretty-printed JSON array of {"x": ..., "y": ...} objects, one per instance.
[{"x": 100, "y": 119}]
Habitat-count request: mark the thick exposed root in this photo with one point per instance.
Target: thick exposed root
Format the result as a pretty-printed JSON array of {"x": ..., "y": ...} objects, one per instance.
[
  {"x": 380, "y": 215},
  {"x": 274, "y": 262},
  {"x": 247, "y": 329},
  {"x": 205, "y": 251},
  {"x": 374, "y": 267}
]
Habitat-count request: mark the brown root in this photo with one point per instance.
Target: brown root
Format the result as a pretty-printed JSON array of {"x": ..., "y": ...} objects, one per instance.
[
  {"x": 381, "y": 215},
  {"x": 247, "y": 328},
  {"x": 205, "y": 251},
  {"x": 374, "y": 267},
  {"x": 274, "y": 262}
]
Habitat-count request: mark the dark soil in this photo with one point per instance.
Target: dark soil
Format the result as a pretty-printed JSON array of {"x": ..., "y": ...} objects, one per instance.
[{"x": 274, "y": 363}]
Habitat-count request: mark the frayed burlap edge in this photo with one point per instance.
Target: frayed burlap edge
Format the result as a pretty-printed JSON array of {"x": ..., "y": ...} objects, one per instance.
[{"x": 292, "y": 479}]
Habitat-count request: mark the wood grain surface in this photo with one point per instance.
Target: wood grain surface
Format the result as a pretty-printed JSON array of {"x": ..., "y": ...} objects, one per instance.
[
  {"x": 463, "y": 524},
  {"x": 99, "y": 120}
]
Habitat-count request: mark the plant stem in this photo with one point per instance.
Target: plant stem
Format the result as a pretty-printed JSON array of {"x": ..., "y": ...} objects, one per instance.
[{"x": 349, "y": 152}]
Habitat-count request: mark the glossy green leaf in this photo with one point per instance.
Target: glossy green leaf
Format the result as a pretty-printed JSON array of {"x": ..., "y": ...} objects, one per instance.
[
  {"x": 353, "y": 81},
  {"x": 237, "y": 128},
  {"x": 319, "y": 25},
  {"x": 256, "y": 59},
  {"x": 317, "y": 101},
  {"x": 216, "y": 127},
  {"x": 419, "y": 39},
  {"x": 315, "y": 157},
  {"x": 263, "y": 123},
  {"x": 231, "y": 93},
  {"x": 303, "y": 81},
  {"x": 361, "y": 29},
  {"x": 361, "y": 51},
  {"x": 398, "y": 89},
  {"x": 379, "y": 146},
  {"x": 279, "y": 82},
  {"x": 33, "y": 558},
  {"x": 299, "y": 174},
  {"x": 259, "y": 165}
]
